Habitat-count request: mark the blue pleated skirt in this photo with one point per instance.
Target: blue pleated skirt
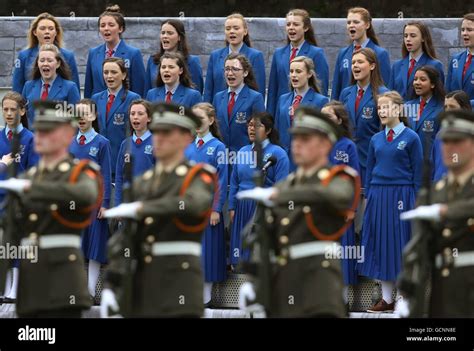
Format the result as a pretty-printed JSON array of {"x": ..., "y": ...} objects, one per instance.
[
  {"x": 244, "y": 213},
  {"x": 213, "y": 253},
  {"x": 384, "y": 235},
  {"x": 94, "y": 240},
  {"x": 349, "y": 264}
]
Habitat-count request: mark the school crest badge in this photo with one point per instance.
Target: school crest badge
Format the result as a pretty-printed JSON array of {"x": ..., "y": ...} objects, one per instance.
[
  {"x": 210, "y": 150},
  {"x": 119, "y": 119},
  {"x": 367, "y": 112},
  {"x": 148, "y": 149},
  {"x": 402, "y": 145},
  {"x": 428, "y": 126},
  {"x": 241, "y": 117},
  {"x": 93, "y": 151}
]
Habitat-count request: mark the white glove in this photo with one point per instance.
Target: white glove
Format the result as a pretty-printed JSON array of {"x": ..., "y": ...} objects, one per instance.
[
  {"x": 402, "y": 308},
  {"x": 258, "y": 194},
  {"x": 16, "y": 185},
  {"x": 128, "y": 210},
  {"x": 247, "y": 303},
  {"x": 108, "y": 303},
  {"x": 432, "y": 212}
]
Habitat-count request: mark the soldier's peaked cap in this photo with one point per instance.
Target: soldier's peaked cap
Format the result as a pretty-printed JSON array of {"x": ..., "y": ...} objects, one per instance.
[
  {"x": 456, "y": 124},
  {"x": 50, "y": 114},
  {"x": 168, "y": 116},
  {"x": 308, "y": 120}
]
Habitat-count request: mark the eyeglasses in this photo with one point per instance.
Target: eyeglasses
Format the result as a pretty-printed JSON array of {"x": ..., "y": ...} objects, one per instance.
[
  {"x": 233, "y": 69},
  {"x": 254, "y": 125}
]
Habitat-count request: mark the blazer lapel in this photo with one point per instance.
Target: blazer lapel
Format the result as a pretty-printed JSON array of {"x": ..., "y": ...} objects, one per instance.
[
  {"x": 426, "y": 112},
  {"x": 56, "y": 88},
  {"x": 178, "y": 96},
  {"x": 365, "y": 99}
]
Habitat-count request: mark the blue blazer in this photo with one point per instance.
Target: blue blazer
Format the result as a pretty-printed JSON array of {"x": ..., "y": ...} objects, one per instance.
[
  {"x": 215, "y": 79},
  {"x": 62, "y": 90},
  {"x": 365, "y": 121},
  {"x": 194, "y": 67},
  {"x": 24, "y": 65},
  {"x": 183, "y": 96},
  {"x": 282, "y": 115},
  {"x": 428, "y": 125},
  {"x": 114, "y": 128},
  {"x": 279, "y": 83},
  {"x": 343, "y": 68},
  {"x": 454, "y": 80},
  {"x": 234, "y": 132},
  {"x": 132, "y": 56},
  {"x": 398, "y": 77}
]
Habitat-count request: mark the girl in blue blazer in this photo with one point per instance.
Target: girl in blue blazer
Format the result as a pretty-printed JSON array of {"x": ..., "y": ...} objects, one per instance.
[
  {"x": 173, "y": 39},
  {"x": 359, "y": 100},
  {"x": 238, "y": 102},
  {"x": 140, "y": 145},
  {"x": 344, "y": 152},
  {"x": 208, "y": 148},
  {"x": 51, "y": 80},
  {"x": 113, "y": 105},
  {"x": 301, "y": 42},
  {"x": 237, "y": 41},
  {"x": 460, "y": 66},
  {"x": 362, "y": 35},
  {"x": 16, "y": 122},
  {"x": 429, "y": 102},
  {"x": 417, "y": 51},
  {"x": 111, "y": 27},
  {"x": 241, "y": 212},
  {"x": 173, "y": 83},
  {"x": 45, "y": 29},
  {"x": 394, "y": 169},
  {"x": 90, "y": 145},
  {"x": 304, "y": 92}
]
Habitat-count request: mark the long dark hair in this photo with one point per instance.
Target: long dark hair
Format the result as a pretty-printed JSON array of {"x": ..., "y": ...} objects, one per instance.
[
  {"x": 434, "y": 77},
  {"x": 210, "y": 112},
  {"x": 341, "y": 113},
  {"x": 427, "y": 44},
  {"x": 376, "y": 80},
  {"x": 21, "y": 102},
  {"x": 367, "y": 18},
  {"x": 309, "y": 35},
  {"x": 93, "y": 106},
  {"x": 267, "y": 120},
  {"x": 115, "y": 12},
  {"x": 184, "y": 78},
  {"x": 182, "y": 43},
  {"x": 246, "y": 38},
  {"x": 461, "y": 98},
  {"x": 247, "y": 66},
  {"x": 63, "y": 70},
  {"x": 121, "y": 63}
]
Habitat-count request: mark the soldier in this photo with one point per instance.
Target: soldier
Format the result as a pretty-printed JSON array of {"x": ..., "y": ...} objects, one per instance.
[
  {"x": 452, "y": 220},
  {"x": 55, "y": 200},
  {"x": 307, "y": 217},
  {"x": 172, "y": 204}
]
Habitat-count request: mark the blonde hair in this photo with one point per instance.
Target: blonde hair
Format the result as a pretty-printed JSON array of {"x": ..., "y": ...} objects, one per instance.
[
  {"x": 239, "y": 16},
  {"x": 397, "y": 99},
  {"x": 33, "y": 40}
]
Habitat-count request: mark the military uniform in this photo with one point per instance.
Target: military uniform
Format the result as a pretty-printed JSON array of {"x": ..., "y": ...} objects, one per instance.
[{"x": 168, "y": 280}]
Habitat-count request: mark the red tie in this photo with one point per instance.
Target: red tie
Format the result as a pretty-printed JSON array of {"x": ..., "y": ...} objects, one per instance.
[
  {"x": 390, "y": 135},
  {"x": 422, "y": 107},
  {"x": 410, "y": 69},
  {"x": 44, "y": 94},
  {"x": 296, "y": 103},
  {"x": 293, "y": 53},
  {"x": 110, "y": 102},
  {"x": 10, "y": 135},
  {"x": 466, "y": 65},
  {"x": 82, "y": 140},
  {"x": 360, "y": 94},
  {"x": 109, "y": 53},
  {"x": 169, "y": 94},
  {"x": 230, "y": 105},
  {"x": 357, "y": 47},
  {"x": 200, "y": 143},
  {"x": 138, "y": 141}
]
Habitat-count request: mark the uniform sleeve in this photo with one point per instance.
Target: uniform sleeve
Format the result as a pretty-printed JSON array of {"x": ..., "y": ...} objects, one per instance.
[
  {"x": 439, "y": 67},
  {"x": 106, "y": 173},
  {"x": 119, "y": 175},
  {"x": 450, "y": 76},
  {"x": 88, "y": 82},
  {"x": 282, "y": 167},
  {"x": 196, "y": 200},
  {"x": 385, "y": 68},
  {"x": 338, "y": 194},
  {"x": 33, "y": 157},
  {"x": 416, "y": 162},
  {"x": 196, "y": 75},
  {"x": 234, "y": 187},
  {"x": 353, "y": 157},
  {"x": 336, "y": 82},
  {"x": 137, "y": 74},
  {"x": 391, "y": 82},
  {"x": 370, "y": 166},
  {"x": 223, "y": 175},
  {"x": 18, "y": 80},
  {"x": 209, "y": 87},
  {"x": 322, "y": 71},
  {"x": 272, "y": 97},
  {"x": 196, "y": 99},
  {"x": 74, "y": 73},
  {"x": 83, "y": 193},
  {"x": 259, "y": 69},
  {"x": 259, "y": 104},
  {"x": 148, "y": 83},
  {"x": 73, "y": 96}
]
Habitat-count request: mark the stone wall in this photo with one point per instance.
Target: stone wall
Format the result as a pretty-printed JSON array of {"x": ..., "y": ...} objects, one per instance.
[{"x": 206, "y": 34}]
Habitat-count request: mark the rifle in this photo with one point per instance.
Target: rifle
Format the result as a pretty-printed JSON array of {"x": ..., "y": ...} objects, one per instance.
[
  {"x": 122, "y": 245},
  {"x": 418, "y": 255}
]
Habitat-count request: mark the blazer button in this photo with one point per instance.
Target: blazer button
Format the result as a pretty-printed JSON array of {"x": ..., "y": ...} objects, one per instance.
[
  {"x": 282, "y": 261},
  {"x": 285, "y": 221},
  {"x": 185, "y": 265},
  {"x": 325, "y": 264},
  {"x": 53, "y": 207},
  {"x": 33, "y": 217},
  {"x": 446, "y": 232},
  {"x": 148, "y": 259},
  {"x": 284, "y": 239},
  {"x": 470, "y": 221},
  {"x": 149, "y": 220},
  {"x": 72, "y": 257},
  {"x": 33, "y": 236},
  {"x": 306, "y": 209},
  {"x": 445, "y": 272},
  {"x": 150, "y": 239}
]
